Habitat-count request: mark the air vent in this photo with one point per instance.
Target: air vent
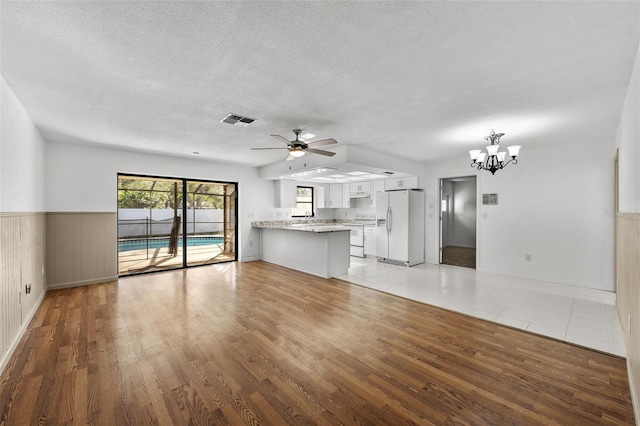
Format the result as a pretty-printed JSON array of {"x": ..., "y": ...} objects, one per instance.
[{"x": 238, "y": 120}]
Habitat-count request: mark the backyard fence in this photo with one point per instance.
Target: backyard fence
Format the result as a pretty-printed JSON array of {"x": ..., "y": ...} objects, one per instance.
[{"x": 147, "y": 223}]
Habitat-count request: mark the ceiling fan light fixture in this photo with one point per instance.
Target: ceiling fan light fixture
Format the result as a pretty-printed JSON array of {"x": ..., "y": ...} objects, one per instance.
[{"x": 296, "y": 151}]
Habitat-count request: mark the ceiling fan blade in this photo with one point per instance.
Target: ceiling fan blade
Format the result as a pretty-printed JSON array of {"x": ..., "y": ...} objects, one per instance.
[
  {"x": 322, "y": 142},
  {"x": 255, "y": 149},
  {"x": 281, "y": 139},
  {"x": 321, "y": 152},
  {"x": 290, "y": 157}
]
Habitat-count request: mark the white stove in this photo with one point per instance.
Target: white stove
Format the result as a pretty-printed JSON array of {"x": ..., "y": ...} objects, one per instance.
[{"x": 357, "y": 232}]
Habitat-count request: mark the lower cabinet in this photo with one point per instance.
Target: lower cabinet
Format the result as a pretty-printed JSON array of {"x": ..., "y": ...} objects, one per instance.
[{"x": 369, "y": 240}]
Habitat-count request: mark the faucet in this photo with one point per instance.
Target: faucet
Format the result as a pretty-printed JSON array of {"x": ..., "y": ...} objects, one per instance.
[{"x": 307, "y": 215}]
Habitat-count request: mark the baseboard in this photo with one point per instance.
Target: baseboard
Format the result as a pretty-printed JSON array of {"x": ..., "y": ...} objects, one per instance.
[
  {"x": 581, "y": 284},
  {"x": 82, "y": 283},
  {"x": 250, "y": 259},
  {"x": 16, "y": 341}
]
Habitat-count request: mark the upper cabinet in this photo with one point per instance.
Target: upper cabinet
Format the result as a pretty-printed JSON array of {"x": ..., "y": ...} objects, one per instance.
[
  {"x": 360, "y": 189},
  {"x": 284, "y": 192},
  {"x": 376, "y": 186},
  {"x": 401, "y": 183},
  {"x": 346, "y": 196},
  {"x": 336, "y": 195}
]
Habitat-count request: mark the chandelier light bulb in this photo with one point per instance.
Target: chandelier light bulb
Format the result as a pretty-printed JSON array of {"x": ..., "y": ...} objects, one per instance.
[{"x": 514, "y": 150}]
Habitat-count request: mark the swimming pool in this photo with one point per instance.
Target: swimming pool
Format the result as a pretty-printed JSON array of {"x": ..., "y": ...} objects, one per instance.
[{"x": 141, "y": 244}]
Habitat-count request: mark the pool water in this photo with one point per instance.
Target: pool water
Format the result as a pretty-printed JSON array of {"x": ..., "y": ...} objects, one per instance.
[{"x": 141, "y": 244}]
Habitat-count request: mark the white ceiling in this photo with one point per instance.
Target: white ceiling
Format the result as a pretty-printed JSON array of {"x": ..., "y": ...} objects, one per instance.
[{"x": 422, "y": 80}]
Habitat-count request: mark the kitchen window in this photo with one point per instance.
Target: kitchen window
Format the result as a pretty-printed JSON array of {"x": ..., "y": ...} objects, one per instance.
[{"x": 304, "y": 202}]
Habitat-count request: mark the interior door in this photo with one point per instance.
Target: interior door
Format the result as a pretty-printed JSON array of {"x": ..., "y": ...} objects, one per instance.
[{"x": 399, "y": 225}]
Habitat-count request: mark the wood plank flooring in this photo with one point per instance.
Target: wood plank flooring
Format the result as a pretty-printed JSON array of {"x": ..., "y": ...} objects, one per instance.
[{"x": 254, "y": 343}]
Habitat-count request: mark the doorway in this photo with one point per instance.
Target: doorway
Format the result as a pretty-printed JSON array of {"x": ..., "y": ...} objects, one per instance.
[
  {"x": 171, "y": 223},
  {"x": 458, "y": 209}
]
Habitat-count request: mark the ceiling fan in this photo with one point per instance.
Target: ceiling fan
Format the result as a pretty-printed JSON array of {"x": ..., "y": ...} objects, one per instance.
[{"x": 298, "y": 148}]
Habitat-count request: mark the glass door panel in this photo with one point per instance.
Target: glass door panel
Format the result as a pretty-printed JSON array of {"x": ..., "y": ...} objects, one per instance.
[
  {"x": 211, "y": 222},
  {"x": 149, "y": 224}
]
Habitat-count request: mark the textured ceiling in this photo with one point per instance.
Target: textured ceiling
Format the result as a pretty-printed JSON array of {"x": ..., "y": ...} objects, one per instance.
[{"x": 422, "y": 80}]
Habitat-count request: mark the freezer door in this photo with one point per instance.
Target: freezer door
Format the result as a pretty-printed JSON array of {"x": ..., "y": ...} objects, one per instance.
[
  {"x": 398, "y": 225},
  {"x": 382, "y": 235}
]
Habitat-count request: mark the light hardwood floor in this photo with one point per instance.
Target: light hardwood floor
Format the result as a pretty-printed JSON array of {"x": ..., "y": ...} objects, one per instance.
[{"x": 254, "y": 343}]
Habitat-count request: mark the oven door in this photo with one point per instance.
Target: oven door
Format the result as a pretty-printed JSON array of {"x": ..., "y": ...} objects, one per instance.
[{"x": 357, "y": 235}]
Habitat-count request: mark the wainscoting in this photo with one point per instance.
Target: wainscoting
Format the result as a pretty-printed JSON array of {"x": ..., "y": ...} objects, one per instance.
[
  {"x": 21, "y": 265},
  {"x": 81, "y": 249},
  {"x": 628, "y": 297}
]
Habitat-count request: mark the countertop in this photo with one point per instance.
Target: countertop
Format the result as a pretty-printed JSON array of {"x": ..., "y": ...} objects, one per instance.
[{"x": 316, "y": 226}]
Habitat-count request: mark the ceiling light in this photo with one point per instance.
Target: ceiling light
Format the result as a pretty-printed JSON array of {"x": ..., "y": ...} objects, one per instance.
[
  {"x": 492, "y": 160},
  {"x": 311, "y": 172},
  {"x": 296, "y": 151}
]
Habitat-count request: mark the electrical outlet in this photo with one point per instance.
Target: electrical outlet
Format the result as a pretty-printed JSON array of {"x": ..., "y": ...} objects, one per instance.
[
  {"x": 528, "y": 257},
  {"x": 250, "y": 243}
]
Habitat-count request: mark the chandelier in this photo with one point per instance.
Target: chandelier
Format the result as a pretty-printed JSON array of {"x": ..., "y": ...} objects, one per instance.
[{"x": 492, "y": 160}]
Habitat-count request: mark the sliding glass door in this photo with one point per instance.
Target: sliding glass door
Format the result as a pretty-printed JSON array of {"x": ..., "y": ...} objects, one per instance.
[
  {"x": 159, "y": 217},
  {"x": 211, "y": 222}
]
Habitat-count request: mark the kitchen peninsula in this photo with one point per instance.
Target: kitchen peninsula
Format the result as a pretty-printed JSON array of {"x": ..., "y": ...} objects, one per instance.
[{"x": 317, "y": 248}]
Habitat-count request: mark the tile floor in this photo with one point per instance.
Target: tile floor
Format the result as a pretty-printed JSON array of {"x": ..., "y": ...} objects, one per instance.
[{"x": 582, "y": 316}]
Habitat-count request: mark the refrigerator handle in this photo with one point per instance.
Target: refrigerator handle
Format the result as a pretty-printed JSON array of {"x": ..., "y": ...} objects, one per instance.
[
  {"x": 388, "y": 224},
  {"x": 390, "y": 221}
]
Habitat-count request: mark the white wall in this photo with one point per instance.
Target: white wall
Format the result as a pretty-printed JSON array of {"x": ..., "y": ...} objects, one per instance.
[
  {"x": 555, "y": 205},
  {"x": 628, "y": 249},
  {"x": 628, "y": 142},
  {"x": 82, "y": 178},
  {"x": 21, "y": 157}
]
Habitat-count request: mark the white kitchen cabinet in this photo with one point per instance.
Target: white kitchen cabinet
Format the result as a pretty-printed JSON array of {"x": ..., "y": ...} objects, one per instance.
[
  {"x": 346, "y": 196},
  {"x": 284, "y": 192},
  {"x": 319, "y": 191},
  {"x": 335, "y": 189},
  {"x": 376, "y": 186},
  {"x": 360, "y": 189},
  {"x": 401, "y": 183},
  {"x": 369, "y": 240},
  {"x": 336, "y": 196}
]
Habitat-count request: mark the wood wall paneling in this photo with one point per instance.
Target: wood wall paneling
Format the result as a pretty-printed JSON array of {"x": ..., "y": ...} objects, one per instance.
[
  {"x": 10, "y": 308},
  {"x": 81, "y": 249},
  {"x": 22, "y": 244},
  {"x": 628, "y": 296}
]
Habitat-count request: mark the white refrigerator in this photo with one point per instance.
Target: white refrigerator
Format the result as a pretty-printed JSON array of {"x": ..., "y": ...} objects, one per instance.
[{"x": 400, "y": 227}]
